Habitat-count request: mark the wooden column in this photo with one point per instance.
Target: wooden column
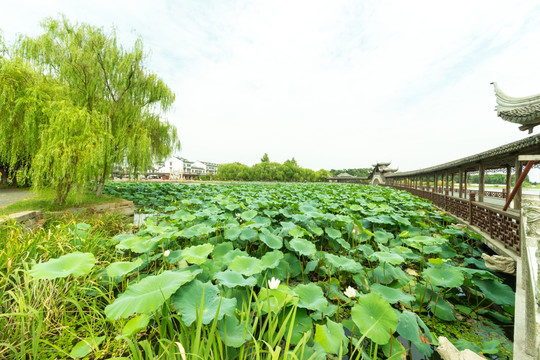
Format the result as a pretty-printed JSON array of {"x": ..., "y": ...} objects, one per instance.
[
  {"x": 453, "y": 176},
  {"x": 465, "y": 183},
  {"x": 517, "y": 198},
  {"x": 508, "y": 180},
  {"x": 481, "y": 171},
  {"x": 434, "y": 183},
  {"x": 460, "y": 182}
]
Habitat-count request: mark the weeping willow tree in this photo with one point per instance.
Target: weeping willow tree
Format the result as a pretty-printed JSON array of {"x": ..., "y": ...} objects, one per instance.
[
  {"x": 106, "y": 79},
  {"x": 71, "y": 150},
  {"x": 24, "y": 94}
]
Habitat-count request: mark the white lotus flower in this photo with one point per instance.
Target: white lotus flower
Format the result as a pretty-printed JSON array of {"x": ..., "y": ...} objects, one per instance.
[
  {"x": 273, "y": 283},
  {"x": 167, "y": 253},
  {"x": 350, "y": 292}
]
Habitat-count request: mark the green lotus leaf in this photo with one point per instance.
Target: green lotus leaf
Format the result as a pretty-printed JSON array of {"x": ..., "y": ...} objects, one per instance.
[
  {"x": 297, "y": 232},
  {"x": 419, "y": 242},
  {"x": 75, "y": 264},
  {"x": 344, "y": 263},
  {"x": 248, "y": 215},
  {"x": 86, "y": 346},
  {"x": 136, "y": 324},
  {"x": 332, "y": 233},
  {"x": 273, "y": 300},
  {"x": 382, "y": 236},
  {"x": 392, "y": 295},
  {"x": 197, "y": 254},
  {"x": 233, "y": 279},
  {"x": 302, "y": 324},
  {"x": 232, "y": 332},
  {"x": 311, "y": 297},
  {"x": 148, "y": 294},
  {"x": 232, "y": 233},
  {"x": 374, "y": 317},
  {"x": 202, "y": 299},
  {"x": 410, "y": 327},
  {"x": 497, "y": 292},
  {"x": 198, "y": 230},
  {"x": 271, "y": 259},
  {"x": 271, "y": 240},
  {"x": 388, "y": 257},
  {"x": 442, "y": 308},
  {"x": 355, "y": 207},
  {"x": 246, "y": 265},
  {"x": 303, "y": 246},
  {"x": 140, "y": 244},
  {"x": 261, "y": 222},
  {"x": 121, "y": 268},
  {"x": 400, "y": 219},
  {"x": 444, "y": 276},
  {"x": 331, "y": 337},
  {"x": 249, "y": 234}
]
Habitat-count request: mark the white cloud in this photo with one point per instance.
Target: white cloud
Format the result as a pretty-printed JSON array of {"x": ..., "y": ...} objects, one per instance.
[{"x": 334, "y": 84}]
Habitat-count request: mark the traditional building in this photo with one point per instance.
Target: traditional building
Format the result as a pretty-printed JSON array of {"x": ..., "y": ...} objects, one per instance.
[
  {"x": 379, "y": 172},
  {"x": 181, "y": 168}
]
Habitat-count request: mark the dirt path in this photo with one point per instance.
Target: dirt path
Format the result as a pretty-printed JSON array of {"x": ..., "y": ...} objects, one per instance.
[{"x": 10, "y": 196}]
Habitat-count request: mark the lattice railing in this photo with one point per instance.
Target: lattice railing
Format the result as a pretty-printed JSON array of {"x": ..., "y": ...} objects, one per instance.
[{"x": 500, "y": 225}]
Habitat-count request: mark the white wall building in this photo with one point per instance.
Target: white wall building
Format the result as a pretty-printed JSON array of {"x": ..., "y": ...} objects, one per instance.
[{"x": 177, "y": 167}]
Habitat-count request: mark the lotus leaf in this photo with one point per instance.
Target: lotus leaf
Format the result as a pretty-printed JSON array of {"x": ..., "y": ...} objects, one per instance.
[
  {"x": 148, "y": 294},
  {"x": 344, "y": 263},
  {"x": 248, "y": 215},
  {"x": 198, "y": 230},
  {"x": 271, "y": 240},
  {"x": 497, "y": 292},
  {"x": 202, "y": 299},
  {"x": 331, "y": 337},
  {"x": 303, "y": 246},
  {"x": 419, "y": 242},
  {"x": 302, "y": 324},
  {"x": 271, "y": 259},
  {"x": 232, "y": 332},
  {"x": 442, "y": 308},
  {"x": 197, "y": 254},
  {"x": 388, "y": 257},
  {"x": 232, "y": 233},
  {"x": 374, "y": 317},
  {"x": 333, "y": 233},
  {"x": 410, "y": 326},
  {"x": 249, "y": 234},
  {"x": 382, "y": 236},
  {"x": 120, "y": 268},
  {"x": 444, "y": 276},
  {"x": 75, "y": 264},
  {"x": 311, "y": 297},
  {"x": 392, "y": 295},
  {"x": 246, "y": 265},
  {"x": 86, "y": 346},
  {"x": 233, "y": 279},
  {"x": 135, "y": 324},
  {"x": 273, "y": 300}
]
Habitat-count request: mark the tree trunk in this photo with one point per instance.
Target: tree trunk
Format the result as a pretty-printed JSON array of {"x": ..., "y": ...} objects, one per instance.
[
  {"x": 4, "y": 171},
  {"x": 14, "y": 179}
]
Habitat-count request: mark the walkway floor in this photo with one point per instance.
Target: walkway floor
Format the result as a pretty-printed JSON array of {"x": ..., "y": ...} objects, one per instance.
[{"x": 10, "y": 196}]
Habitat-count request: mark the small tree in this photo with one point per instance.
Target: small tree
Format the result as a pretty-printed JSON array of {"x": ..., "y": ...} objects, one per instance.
[{"x": 265, "y": 158}]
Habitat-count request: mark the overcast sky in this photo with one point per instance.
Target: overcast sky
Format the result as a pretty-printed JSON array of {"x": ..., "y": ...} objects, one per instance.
[{"x": 334, "y": 84}]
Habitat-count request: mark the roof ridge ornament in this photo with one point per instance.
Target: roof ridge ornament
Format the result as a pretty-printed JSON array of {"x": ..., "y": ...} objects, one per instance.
[{"x": 520, "y": 110}]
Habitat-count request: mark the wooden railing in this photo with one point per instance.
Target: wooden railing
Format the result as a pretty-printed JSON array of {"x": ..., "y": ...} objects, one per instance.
[{"x": 498, "y": 224}]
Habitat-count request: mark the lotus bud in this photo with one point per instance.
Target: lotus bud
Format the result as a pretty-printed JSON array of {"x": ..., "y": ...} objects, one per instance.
[
  {"x": 273, "y": 283},
  {"x": 350, "y": 292},
  {"x": 167, "y": 253}
]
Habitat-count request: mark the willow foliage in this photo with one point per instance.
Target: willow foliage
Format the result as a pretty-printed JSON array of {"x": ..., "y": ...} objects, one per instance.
[{"x": 106, "y": 79}]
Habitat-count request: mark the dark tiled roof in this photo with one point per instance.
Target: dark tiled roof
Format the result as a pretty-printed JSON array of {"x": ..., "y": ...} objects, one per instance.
[{"x": 500, "y": 156}]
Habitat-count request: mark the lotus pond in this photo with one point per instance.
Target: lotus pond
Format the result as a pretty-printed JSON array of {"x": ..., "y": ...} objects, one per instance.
[{"x": 297, "y": 271}]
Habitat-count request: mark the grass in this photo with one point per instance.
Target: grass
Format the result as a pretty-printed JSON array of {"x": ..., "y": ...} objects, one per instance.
[{"x": 44, "y": 201}]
